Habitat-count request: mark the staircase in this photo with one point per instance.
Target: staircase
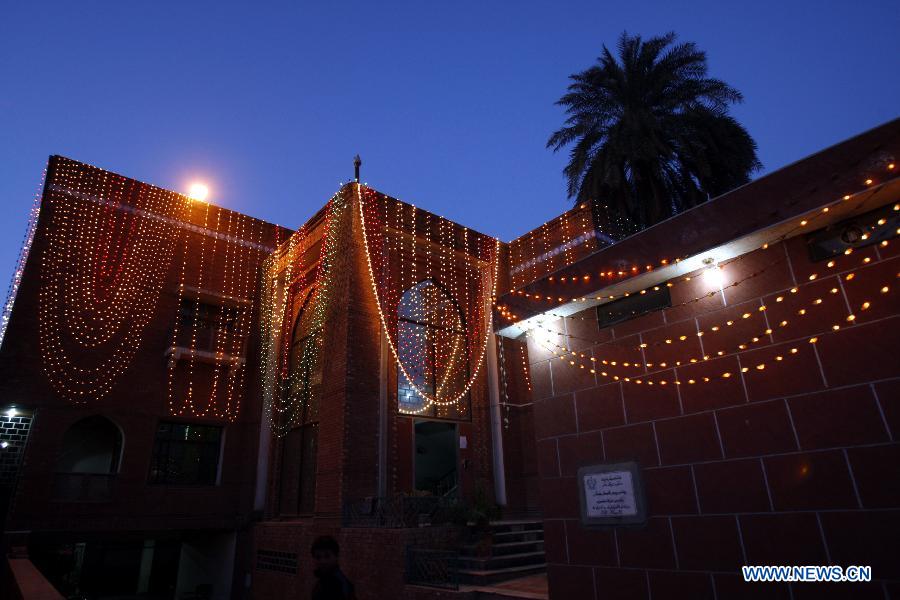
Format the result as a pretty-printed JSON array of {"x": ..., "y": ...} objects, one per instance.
[{"x": 516, "y": 550}]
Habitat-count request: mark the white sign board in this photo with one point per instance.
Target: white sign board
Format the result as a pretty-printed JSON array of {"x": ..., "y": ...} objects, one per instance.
[{"x": 609, "y": 494}]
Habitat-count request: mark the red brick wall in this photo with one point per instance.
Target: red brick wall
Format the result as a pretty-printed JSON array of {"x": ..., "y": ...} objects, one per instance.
[
  {"x": 373, "y": 559},
  {"x": 520, "y": 461},
  {"x": 797, "y": 463}
]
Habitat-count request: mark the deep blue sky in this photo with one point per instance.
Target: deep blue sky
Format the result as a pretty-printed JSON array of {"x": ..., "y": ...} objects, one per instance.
[{"x": 448, "y": 103}]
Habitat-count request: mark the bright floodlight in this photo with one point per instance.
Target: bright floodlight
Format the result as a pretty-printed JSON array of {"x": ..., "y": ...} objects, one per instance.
[
  {"x": 544, "y": 336},
  {"x": 715, "y": 276},
  {"x": 198, "y": 191}
]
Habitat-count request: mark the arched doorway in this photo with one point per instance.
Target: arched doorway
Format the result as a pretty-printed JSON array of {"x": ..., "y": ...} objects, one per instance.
[{"x": 88, "y": 461}]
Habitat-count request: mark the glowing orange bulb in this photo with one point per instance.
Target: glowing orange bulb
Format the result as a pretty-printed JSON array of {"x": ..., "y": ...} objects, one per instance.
[{"x": 198, "y": 191}]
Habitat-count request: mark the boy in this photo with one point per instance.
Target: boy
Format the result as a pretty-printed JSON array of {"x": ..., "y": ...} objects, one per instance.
[{"x": 332, "y": 583}]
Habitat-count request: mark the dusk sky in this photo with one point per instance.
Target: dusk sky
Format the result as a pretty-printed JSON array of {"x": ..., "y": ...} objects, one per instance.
[{"x": 450, "y": 104}]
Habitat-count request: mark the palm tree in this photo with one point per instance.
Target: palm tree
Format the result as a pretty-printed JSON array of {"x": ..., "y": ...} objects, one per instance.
[{"x": 650, "y": 132}]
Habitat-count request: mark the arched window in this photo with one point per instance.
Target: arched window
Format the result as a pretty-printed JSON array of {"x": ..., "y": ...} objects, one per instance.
[
  {"x": 89, "y": 458},
  {"x": 91, "y": 445},
  {"x": 431, "y": 345},
  {"x": 304, "y": 385},
  {"x": 303, "y": 392}
]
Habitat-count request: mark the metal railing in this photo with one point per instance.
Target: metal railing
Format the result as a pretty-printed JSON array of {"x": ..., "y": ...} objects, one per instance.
[
  {"x": 433, "y": 568},
  {"x": 83, "y": 487},
  {"x": 396, "y": 512}
]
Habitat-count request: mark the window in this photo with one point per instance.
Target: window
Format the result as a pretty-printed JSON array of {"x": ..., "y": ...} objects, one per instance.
[
  {"x": 185, "y": 454},
  {"x": 209, "y": 321},
  {"x": 303, "y": 391},
  {"x": 633, "y": 306},
  {"x": 431, "y": 344}
]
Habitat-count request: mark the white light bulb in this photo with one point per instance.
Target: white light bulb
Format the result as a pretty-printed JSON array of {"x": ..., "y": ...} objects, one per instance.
[{"x": 715, "y": 276}]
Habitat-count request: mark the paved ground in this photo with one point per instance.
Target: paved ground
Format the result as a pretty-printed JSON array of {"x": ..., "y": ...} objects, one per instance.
[
  {"x": 533, "y": 587},
  {"x": 536, "y": 584}
]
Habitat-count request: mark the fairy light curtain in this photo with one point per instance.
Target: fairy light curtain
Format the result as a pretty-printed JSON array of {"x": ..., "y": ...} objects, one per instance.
[
  {"x": 432, "y": 343},
  {"x": 219, "y": 273},
  {"x": 557, "y": 243},
  {"x": 24, "y": 251},
  {"x": 110, "y": 242},
  {"x": 434, "y": 282},
  {"x": 299, "y": 286},
  {"x": 303, "y": 376}
]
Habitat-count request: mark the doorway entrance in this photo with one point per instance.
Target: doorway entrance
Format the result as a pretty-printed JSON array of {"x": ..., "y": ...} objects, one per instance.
[{"x": 435, "y": 458}]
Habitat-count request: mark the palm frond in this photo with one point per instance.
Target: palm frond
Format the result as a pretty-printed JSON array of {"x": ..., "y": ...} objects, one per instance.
[{"x": 649, "y": 132}]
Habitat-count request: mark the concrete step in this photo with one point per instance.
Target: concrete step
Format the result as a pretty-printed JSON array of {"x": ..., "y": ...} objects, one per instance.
[
  {"x": 505, "y": 548},
  {"x": 518, "y": 536},
  {"x": 490, "y": 593},
  {"x": 489, "y": 563},
  {"x": 510, "y": 526},
  {"x": 484, "y": 577}
]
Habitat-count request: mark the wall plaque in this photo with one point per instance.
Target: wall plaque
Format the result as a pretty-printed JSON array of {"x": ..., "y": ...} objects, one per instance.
[{"x": 611, "y": 494}]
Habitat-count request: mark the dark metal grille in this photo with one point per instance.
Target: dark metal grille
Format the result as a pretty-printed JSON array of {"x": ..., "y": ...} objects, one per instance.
[
  {"x": 434, "y": 568},
  {"x": 397, "y": 512},
  {"x": 14, "y": 428},
  {"x": 273, "y": 560}
]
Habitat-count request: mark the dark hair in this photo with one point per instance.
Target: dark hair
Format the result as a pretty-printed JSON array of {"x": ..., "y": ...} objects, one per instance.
[{"x": 325, "y": 543}]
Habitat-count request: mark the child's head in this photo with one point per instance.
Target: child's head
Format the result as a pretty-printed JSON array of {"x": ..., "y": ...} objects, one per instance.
[{"x": 325, "y": 551}]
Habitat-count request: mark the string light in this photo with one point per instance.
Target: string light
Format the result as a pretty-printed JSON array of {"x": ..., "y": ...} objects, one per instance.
[
  {"x": 503, "y": 311},
  {"x": 627, "y": 272},
  {"x": 216, "y": 293},
  {"x": 408, "y": 345},
  {"x": 24, "y": 251},
  {"x": 290, "y": 397},
  {"x": 710, "y": 329},
  {"x": 594, "y": 364},
  {"x": 110, "y": 242}
]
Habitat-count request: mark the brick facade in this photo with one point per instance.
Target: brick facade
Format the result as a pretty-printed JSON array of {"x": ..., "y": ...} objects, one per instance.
[{"x": 792, "y": 464}]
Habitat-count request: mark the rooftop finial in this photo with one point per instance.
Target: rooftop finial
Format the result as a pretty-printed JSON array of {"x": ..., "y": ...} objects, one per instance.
[{"x": 357, "y": 163}]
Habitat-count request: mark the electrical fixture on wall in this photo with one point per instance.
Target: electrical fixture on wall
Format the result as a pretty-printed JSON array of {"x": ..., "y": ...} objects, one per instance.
[{"x": 713, "y": 273}]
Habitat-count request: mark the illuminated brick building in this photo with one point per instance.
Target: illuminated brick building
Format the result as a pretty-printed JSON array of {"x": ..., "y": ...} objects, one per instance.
[
  {"x": 129, "y": 351},
  {"x": 744, "y": 354},
  {"x": 192, "y": 395},
  {"x": 200, "y": 384}
]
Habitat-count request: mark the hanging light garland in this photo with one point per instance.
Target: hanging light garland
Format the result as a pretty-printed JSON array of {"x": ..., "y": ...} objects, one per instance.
[
  {"x": 379, "y": 223},
  {"x": 564, "y": 353},
  {"x": 24, "y": 251},
  {"x": 219, "y": 272},
  {"x": 110, "y": 242},
  {"x": 802, "y": 223},
  {"x": 286, "y": 386},
  {"x": 594, "y": 364},
  {"x": 831, "y": 264}
]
